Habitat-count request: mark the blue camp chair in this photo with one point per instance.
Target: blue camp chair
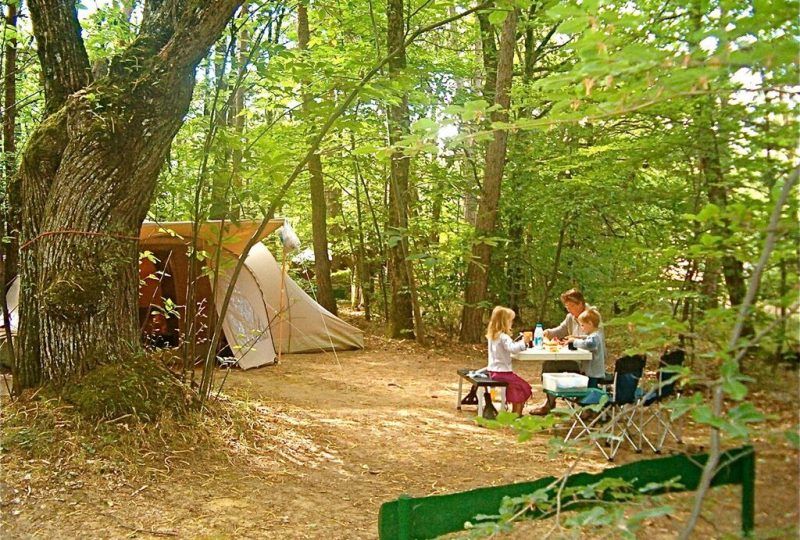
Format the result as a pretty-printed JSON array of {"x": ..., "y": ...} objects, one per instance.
[
  {"x": 650, "y": 408},
  {"x": 619, "y": 399}
]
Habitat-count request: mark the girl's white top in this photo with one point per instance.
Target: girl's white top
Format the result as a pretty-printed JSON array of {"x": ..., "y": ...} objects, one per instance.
[{"x": 500, "y": 351}]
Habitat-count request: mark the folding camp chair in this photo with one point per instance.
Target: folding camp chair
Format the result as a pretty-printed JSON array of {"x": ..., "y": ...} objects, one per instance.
[
  {"x": 650, "y": 409},
  {"x": 612, "y": 423}
]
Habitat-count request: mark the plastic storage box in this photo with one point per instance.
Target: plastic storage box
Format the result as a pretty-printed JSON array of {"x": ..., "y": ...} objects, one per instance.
[{"x": 557, "y": 382}]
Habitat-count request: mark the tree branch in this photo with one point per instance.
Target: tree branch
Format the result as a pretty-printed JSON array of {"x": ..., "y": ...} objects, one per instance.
[
  {"x": 198, "y": 28},
  {"x": 62, "y": 55},
  {"x": 733, "y": 343}
]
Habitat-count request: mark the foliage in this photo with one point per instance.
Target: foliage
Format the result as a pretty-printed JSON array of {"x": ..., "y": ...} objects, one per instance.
[{"x": 597, "y": 506}]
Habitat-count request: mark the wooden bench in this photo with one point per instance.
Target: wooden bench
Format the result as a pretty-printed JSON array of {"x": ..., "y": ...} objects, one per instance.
[{"x": 477, "y": 382}]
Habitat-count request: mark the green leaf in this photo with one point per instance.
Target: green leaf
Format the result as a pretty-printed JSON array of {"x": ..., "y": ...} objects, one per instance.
[
  {"x": 424, "y": 125},
  {"x": 651, "y": 513},
  {"x": 735, "y": 389},
  {"x": 574, "y": 26},
  {"x": 498, "y": 17},
  {"x": 709, "y": 212}
]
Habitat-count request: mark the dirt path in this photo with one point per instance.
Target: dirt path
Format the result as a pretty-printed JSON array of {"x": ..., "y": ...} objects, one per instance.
[{"x": 349, "y": 433}]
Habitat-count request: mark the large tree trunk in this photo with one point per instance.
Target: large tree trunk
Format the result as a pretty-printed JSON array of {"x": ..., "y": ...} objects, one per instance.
[
  {"x": 478, "y": 270},
  {"x": 319, "y": 208},
  {"x": 401, "y": 312},
  {"x": 88, "y": 174}
]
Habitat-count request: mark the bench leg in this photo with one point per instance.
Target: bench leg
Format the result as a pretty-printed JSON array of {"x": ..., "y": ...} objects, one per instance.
[{"x": 460, "y": 387}]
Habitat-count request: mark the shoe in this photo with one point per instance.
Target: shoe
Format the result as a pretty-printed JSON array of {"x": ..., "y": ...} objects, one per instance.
[{"x": 544, "y": 410}]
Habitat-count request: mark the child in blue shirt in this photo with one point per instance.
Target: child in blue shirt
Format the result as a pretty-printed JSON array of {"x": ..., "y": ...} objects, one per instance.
[{"x": 594, "y": 341}]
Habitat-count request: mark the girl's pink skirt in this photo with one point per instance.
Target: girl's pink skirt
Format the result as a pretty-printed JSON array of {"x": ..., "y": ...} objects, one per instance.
[{"x": 518, "y": 390}]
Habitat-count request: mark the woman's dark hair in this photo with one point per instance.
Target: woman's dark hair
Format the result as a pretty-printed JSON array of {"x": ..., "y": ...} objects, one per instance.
[{"x": 573, "y": 295}]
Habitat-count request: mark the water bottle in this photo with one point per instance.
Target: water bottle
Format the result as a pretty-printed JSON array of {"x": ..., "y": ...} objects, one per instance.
[{"x": 538, "y": 337}]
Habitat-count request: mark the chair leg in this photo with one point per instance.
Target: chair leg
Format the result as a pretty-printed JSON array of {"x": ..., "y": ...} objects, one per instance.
[
  {"x": 626, "y": 423},
  {"x": 643, "y": 426}
]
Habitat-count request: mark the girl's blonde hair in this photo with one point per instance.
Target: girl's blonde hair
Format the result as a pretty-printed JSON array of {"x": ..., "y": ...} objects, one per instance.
[{"x": 500, "y": 322}]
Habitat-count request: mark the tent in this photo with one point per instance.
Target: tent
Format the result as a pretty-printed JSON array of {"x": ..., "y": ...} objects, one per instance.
[{"x": 254, "y": 327}]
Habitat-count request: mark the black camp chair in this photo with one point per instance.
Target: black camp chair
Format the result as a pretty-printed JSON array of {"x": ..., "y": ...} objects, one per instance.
[
  {"x": 650, "y": 406},
  {"x": 612, "y": 423}
]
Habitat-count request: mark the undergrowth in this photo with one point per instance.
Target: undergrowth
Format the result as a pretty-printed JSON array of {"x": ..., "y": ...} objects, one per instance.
[{"x": 139, "y": 387}]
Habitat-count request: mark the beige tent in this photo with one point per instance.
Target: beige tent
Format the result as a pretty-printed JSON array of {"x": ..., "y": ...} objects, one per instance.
[{"x": 253, "y": 326}]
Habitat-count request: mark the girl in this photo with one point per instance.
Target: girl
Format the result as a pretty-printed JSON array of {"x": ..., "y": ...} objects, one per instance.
[{"x": 501, "y": 346}]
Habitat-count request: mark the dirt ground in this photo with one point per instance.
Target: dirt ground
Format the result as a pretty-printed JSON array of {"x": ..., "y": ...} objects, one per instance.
[{"x": 338, "y": 435}]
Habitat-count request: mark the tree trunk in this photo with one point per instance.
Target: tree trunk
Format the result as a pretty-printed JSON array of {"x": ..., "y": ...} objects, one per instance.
[
  {"x": 566, "y": 220},
  {"x": 478, "y": 271},
  {"x": 489, "y": 55},
  {"x": 361, "y": 260},
  {"x": 401, "y": 323},
  {"x": 236, "y": 117},
  {"x": 11, "y": 215},
  {"x": 319, "y": 209},
  {"x": 88, "y": 173},
  {"x": 220, "y": 181},
  {"x": 709, "y": 136}
]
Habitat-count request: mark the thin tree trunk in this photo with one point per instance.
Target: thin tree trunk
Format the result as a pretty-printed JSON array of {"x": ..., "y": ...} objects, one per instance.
[
  {"x": 709, "y": 133},
  {"x": 489, "y": 55},
  {"x": 11, "y": 215},
  {"x": 224, "y": 55},
  {"x": 551, "y": 280},
  {"x": 319, "y": 210},
  {"x": 401, "y": 323},
  {"x": 381, "y": 245},
  {"x": 361, "y": 263},
  {"x": 236, "y": 117},
  {"x": 478, "y": 270}
]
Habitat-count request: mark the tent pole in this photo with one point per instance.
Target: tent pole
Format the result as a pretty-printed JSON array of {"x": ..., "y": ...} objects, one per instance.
[{"x": 280, "y": 305}]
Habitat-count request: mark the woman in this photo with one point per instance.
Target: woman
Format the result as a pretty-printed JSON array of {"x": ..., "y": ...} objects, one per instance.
[{"x": 575, "y": 304}]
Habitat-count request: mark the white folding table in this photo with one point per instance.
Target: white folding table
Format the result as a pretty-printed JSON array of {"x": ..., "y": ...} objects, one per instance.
[{"x": 543, "y": 355}]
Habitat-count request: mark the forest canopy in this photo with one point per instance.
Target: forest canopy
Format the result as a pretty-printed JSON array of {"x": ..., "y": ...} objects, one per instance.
[{"x": 441, "y": 158}]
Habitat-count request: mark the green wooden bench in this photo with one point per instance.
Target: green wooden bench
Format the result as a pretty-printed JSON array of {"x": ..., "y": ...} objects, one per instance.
[{"x": 428, "y": 517}]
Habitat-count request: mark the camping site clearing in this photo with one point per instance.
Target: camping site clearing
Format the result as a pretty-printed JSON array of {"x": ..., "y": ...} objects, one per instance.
[{"x": 311, "y": 447}]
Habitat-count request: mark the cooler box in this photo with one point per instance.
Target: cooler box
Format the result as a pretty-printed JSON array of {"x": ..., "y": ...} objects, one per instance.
[{"x": 558, "y": 382}]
